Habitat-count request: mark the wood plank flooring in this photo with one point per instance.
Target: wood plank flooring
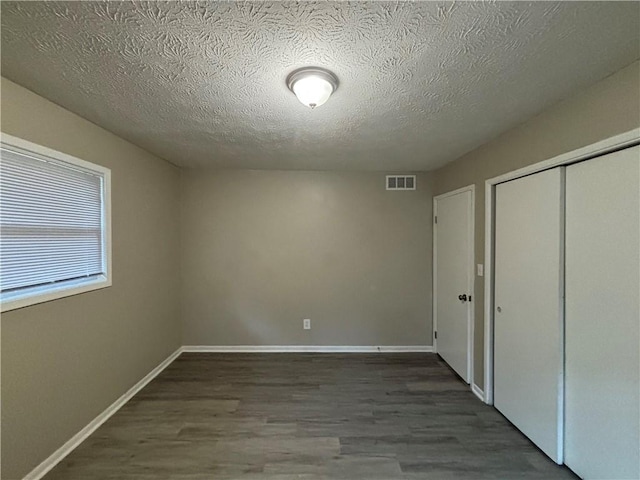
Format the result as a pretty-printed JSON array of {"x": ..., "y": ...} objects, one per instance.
[{"x": 307, "y": 417}]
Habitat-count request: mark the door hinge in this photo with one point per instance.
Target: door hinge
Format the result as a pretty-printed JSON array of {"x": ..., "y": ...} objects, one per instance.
[
  {"x": 435, "y": 335},
  {"x": 435, "y": 219}
]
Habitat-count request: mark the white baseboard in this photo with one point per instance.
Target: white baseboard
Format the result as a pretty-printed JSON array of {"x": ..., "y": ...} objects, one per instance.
[
  {"x": 308, "y": 348},
  {"x": 477, "y": 391},
  {"x": 57, "y": 456}
]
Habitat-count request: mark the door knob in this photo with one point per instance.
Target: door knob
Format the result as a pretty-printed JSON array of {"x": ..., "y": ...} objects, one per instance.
[{"x": 462, "y": 297}]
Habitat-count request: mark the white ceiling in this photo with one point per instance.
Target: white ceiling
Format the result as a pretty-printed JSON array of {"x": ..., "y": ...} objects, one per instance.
[{"x": 202, "y": 84}]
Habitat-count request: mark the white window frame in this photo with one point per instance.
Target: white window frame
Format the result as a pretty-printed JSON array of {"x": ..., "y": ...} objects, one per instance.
[{"x": 35, "y": 295}]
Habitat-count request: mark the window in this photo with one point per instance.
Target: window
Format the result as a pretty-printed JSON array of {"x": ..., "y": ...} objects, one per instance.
[{"x": 54, "y": 224}]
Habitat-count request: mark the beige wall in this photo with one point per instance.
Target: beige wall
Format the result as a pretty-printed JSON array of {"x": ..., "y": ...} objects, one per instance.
[
  {"x": 262, "y": 250},
  {"x": 65, "y": 361},
  {"x": 607, "y": 108}
]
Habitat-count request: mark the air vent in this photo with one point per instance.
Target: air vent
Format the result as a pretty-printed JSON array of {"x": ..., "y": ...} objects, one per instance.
[{"x": 401, "y": 182}]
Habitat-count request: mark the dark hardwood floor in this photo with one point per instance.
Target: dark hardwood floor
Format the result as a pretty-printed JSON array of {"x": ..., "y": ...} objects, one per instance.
[{"x": 309, "y": 417}]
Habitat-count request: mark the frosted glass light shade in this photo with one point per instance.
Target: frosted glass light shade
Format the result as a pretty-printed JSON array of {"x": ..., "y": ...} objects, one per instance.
[
  {"x": 312, "y": 86},
  {"x": 312, "y": 91}
]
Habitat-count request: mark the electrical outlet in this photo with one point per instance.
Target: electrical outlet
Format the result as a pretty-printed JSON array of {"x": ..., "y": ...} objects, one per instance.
[{"x": 306, "y": 324}]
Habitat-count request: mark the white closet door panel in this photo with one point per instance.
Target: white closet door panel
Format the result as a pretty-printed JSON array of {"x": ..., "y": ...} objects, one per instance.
[
  {"x": 602, "y": 317},
  {"x": 528, "y": 317}
]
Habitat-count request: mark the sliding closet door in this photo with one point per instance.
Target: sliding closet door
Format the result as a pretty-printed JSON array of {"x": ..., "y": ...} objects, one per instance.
[
  {"x": 602, "y": 316},
  {"x": 528, "y": 309}
]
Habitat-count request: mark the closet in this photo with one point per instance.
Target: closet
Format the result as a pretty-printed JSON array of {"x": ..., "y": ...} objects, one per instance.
[
  {"x": 567, "y": 313},
  {"x": 528, "y": 317}
]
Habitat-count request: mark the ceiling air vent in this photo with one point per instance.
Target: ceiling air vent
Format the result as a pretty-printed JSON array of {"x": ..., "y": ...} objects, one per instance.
[{"x": 401, "y": 182}]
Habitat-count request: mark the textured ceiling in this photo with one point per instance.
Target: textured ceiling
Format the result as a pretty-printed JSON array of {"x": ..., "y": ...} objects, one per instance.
[{"x": 203, "y": 84}]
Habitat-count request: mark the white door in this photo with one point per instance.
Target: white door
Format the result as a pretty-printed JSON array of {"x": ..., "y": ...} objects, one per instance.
[
  {"x": 453, "y": 277},
  {"x": 602, "y": 436},
  {"x": 528, "y": 341}
]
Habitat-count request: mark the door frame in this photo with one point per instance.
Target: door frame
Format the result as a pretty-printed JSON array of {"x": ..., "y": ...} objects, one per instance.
[
  {"x": 470, "y": 275},
  {"x": 597, "y": 149}
]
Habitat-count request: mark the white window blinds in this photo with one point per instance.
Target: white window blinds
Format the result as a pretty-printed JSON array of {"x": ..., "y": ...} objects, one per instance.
[{"x": 51, "y": 223}]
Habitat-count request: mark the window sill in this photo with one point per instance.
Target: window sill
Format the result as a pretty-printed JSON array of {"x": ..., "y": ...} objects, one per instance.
[{"x": 48, "y": 293}]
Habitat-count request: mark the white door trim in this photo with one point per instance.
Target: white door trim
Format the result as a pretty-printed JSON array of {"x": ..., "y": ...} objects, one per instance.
[
  {"x": 470, "y": 275},
  {"x": 603, "y": 147}
]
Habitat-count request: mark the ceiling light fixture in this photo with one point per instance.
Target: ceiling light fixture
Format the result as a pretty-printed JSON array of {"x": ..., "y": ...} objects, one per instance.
[{"x": 312, "y": 85}]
